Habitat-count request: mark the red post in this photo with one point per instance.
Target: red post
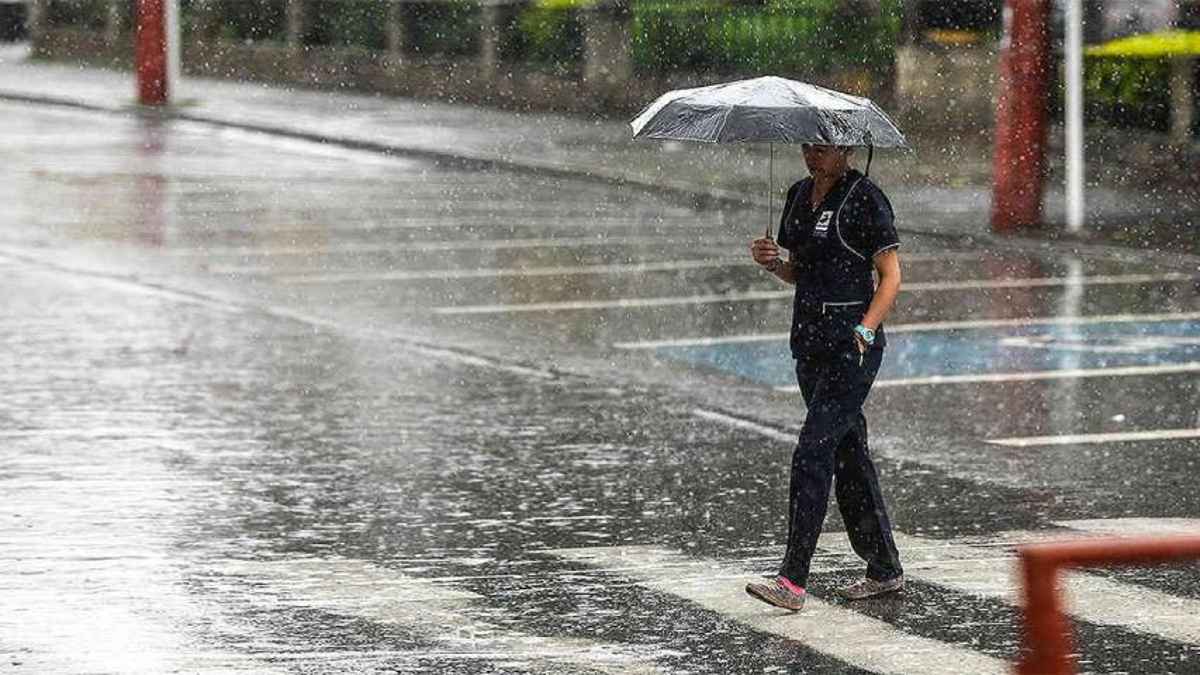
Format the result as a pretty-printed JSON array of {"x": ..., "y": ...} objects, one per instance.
[
  {"x": 150, "y": 52},
  {"x": 1021, "y": 120},
  {"x": 1047, "y": 632},
  {"x": 1047, "y": 636}
]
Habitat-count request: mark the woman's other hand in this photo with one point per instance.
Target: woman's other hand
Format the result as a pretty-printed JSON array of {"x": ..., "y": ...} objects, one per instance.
[{"x": 860, "y": 343}]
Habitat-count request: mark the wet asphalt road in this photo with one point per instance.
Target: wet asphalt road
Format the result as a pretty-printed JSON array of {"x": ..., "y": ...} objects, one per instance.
[{"x": 280, "y": 407}]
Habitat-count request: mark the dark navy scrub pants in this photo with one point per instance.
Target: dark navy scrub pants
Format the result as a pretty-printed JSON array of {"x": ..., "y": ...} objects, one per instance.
[{"x": 833, "y": 446}]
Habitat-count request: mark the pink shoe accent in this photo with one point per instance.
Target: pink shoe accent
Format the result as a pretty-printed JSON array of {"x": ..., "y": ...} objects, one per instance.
[{"x": 787, "y": 583}]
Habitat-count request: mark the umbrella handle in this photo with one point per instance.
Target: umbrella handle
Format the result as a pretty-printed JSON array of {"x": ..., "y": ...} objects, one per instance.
[{"x": 770, "y": 188}]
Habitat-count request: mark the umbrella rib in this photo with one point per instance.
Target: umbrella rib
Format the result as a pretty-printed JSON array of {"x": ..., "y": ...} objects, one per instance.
[{"x": 724, "y": 121}]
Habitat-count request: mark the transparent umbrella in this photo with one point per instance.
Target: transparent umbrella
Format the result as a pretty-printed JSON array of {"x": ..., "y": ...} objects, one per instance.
[{"x": 768, "y": 110}]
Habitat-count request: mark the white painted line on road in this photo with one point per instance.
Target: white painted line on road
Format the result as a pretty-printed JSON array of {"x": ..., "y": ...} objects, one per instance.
[
  {"x": 117, "y": 283},
  {"x": 1135, "y": 527},
  {"x": 739, "y": 423},
  {"x": 620, "y": 303},
  {"x": 1113, "y": 437},
  {"x": 488, "y": 273},
  {"x": 471, "y": 273},
  {"x": 786, "y": 436},
  {"x": 361, "y": 589},
  {"x": 926, "y": 326},
  {"x": 1096, "y": 280},
  {"x": 1124, "y": 371},
  {"x": 500, "y": 522},
  {"x": 221, "y": 304},
  {"x": 836, "y": 631},
  {"x": 319, "y": 225},
  {"x": 334, "y": 248},
  {"x": 444, "y": 354},
  {"x": 124, "y": 433},
  {"x": 760, "y": 296},
  {"x": 990, "y": 572},
  {"x": 578, "y": 269},
  {"x": 707, "y": 341}
]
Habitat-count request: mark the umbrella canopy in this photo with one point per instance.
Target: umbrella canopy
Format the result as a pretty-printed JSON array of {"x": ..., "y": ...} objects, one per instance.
[
  {"x": 1170, "y": 43},
  {"x": 767, "y": 110}
]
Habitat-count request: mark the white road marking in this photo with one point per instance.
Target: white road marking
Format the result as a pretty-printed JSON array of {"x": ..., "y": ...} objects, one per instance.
[
  {"x": 707, "y": 341},
  {"x": 626, "y": 303},
  {"x": 989, "y": 571},
  {"x": 839, "y": 632},
  {"x": 1135, "y": 527},
  {"x": 124, "y": 433},
  {"x": 334, "y": 248},
  {"x": 1112, "y": 437},
  {"x": 1123, "y": 371},
  {"x": 488, "y": 273},
  {"x": 759, "y": 296},
  {"x": 93, "y": 278},
  {"x": 130, "y": 284},
  {"x": 362, "y": 589},
  {"x": 924, "y": 327},
  {"x": 441, "y": 353},
  {"x": 786, "y": 436},
  {"x": 485, "y": 273},
  {"x": 738, "y": 423},
  {"x": 1127, "y": 344},
  {"x": 501, "y": 522},
  {"x": 1037, "y": 282}
]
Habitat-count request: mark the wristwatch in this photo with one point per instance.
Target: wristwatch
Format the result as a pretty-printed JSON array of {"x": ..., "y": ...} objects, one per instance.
[
  {"x": 867, "y": 335},
  {"x": 773, "y": 265}
]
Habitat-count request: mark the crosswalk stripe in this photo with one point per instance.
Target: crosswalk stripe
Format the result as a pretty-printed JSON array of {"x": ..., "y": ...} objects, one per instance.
[
  {"x": 990, "y": 572},
  {"x": 362, "y": 589},
  {"x": 839, "y": 632}
]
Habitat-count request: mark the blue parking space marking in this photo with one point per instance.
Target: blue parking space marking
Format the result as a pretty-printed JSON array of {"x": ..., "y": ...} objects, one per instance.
[{"x": 976, "y": 351}]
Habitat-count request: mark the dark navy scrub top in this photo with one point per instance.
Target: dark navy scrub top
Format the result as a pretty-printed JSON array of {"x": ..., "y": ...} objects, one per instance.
[{"x": 832, "y": 251}]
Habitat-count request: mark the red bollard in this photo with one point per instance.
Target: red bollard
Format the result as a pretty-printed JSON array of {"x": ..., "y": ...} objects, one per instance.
[
  {"x": 1021, "y": 119},
  {"x": 150, "y": 52},
  {"x": 1047, "y": 636},
  {"x": 1047, "y": 632}
]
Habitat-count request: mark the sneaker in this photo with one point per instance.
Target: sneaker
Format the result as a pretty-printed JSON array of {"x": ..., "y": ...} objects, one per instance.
[
  {"x": 868, "y": 588},
  {"x": 778, "y": 592}
]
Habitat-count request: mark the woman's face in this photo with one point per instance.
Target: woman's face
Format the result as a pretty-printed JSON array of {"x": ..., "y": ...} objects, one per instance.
[{"x": 826, "y": 160}]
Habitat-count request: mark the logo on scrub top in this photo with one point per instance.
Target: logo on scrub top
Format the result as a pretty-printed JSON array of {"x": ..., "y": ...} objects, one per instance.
[{"x": 822, "y": 227}]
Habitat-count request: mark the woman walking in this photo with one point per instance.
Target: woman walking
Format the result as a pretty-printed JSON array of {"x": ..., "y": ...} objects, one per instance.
[{"x": 838, "y": 229}]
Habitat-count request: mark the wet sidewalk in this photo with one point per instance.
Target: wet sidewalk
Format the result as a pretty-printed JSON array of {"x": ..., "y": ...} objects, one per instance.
[{"x": 940, "y": 188}]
